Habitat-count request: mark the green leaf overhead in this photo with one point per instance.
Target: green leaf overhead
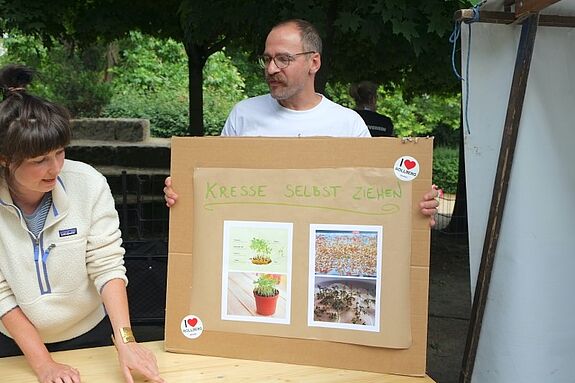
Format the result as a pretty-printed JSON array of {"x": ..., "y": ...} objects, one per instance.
[{"x": 392, "y": 42}]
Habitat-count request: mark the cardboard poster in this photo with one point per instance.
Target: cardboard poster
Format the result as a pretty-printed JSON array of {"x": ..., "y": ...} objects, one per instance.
[
  {"x": 325, "y": 233},
  {"x": 332, "y": 239}
]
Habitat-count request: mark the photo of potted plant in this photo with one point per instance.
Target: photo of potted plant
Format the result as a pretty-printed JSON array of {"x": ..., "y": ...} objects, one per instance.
[
  {"x": 263, "y": 251},
  {"x": 266, "y": 294}
]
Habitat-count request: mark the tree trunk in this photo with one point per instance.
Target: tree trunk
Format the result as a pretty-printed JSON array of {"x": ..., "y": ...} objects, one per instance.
[
  {"x": 327, "y": 42},
  {"x": 196, "y": 61},
  {"x": 111, "y": 60}
]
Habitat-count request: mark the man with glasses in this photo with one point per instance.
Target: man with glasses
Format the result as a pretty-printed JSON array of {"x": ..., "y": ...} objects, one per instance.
[{"x": 291, "y": 58}]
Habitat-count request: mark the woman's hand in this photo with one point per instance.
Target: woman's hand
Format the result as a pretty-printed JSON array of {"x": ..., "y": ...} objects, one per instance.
[
  {"x": 27, "y": 338},
  {"x": 169, "y": 195},
  {"x": 52, "y": 372},
  {"x": 429, "y": 203},
  {"x": 134, "y": 357}
]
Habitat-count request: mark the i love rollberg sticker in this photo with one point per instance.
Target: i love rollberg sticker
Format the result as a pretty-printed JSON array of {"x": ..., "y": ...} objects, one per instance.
[
  {"x": 406, "y": 168},
  {"x": 191, "y": 326}
]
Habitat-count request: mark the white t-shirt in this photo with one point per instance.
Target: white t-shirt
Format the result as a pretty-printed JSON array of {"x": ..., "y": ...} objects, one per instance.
[{"x": 263, "y": 116}]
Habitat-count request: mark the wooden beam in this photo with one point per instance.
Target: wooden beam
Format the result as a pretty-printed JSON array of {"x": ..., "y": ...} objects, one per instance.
[
  {"x": 524, "y": 7},
  {"x": 493, "y": 17},
  {"x": 557, "y": 21},
  {"x": 507, "y": 150}
]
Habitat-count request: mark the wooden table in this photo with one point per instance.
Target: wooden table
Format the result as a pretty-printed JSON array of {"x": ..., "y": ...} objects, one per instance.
[{"x": 99, "y": 365}]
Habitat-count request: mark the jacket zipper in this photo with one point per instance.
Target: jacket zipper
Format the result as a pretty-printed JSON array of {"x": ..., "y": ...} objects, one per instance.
[
  {"x": 40, "y": 259},
  {"x": 45, "y": 266},
  {"x": 40, "y": 262}
]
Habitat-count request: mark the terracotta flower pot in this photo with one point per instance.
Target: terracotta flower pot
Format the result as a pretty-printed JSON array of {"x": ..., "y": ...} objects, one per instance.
[{"x": 266, "y": 305}]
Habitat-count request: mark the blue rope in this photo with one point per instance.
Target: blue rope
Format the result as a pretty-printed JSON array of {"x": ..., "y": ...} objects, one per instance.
[
  {"x": 476, "y": 12},
  {"x": 466, "y": 101},
  {"x": 453, "y": 40}
]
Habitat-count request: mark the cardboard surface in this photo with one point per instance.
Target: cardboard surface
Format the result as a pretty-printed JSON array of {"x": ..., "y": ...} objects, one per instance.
[
  {"x": 399, "y": 346},
  {"x": 328, "y": 208}
]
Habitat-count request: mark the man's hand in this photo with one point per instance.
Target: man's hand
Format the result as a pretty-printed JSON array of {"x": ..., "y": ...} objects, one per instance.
[
  {"x": 429, "y": 203},
  {"x": 169, "y": 195}
]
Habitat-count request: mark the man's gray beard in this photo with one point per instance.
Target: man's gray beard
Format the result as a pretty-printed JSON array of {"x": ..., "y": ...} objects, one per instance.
[
  {"x": 281, "y": 96},
  {"x": 284, "y": 93}
]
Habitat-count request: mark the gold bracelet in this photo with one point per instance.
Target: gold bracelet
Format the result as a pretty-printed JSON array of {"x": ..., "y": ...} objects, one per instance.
[{"x": 127, "y": 334}]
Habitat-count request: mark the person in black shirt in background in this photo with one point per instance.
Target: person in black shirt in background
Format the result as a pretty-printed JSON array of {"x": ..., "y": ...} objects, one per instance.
[{"x": 365, "y": 96}]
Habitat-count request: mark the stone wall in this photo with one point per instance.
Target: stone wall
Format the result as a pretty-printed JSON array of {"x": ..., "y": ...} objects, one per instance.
[
  {"x": 118, "y": 144},
  {"x": 135, "y": 166},
  {"x": 111, "y": 129}
]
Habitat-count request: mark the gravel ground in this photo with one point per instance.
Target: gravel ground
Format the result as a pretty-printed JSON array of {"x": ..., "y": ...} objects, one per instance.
[{"x": 449, "y": 306}]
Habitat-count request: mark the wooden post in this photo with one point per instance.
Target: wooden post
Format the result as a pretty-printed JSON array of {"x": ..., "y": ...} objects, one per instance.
[{"x": 507, "y": 150}]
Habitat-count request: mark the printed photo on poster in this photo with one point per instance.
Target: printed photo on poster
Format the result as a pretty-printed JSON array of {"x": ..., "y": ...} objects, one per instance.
[
  {"x": 345, "y": 276},
  {"x": 256, "y": 271}
]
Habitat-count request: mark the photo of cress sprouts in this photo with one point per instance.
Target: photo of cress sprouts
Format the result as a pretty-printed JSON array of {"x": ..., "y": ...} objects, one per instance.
[
  {"x": 346, "y": 253},
  {"x": 345, "y": 301},
  {"x": 344, "y": 286}
]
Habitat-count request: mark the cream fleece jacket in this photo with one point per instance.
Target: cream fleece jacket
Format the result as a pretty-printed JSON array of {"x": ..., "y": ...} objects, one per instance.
[{"x": 57, "y": 277}]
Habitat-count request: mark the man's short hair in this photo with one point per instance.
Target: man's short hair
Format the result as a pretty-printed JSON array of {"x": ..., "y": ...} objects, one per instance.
[{"x": 310, "y": 38}]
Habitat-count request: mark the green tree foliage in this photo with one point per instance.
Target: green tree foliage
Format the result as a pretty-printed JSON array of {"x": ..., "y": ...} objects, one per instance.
[
  {"x": 388, "y": 41},
  {"x": 251, "y": 72},
  {"x": 445, "y": 168},
  {"x": 150, "y": 81},
  {"x": 67, "y": 74},
  {"x": 424, "y": 115},
  {"x": 148, "y": 64},
  {"x": 85, "y": 21},
  {"x": 223, "y": 87}
]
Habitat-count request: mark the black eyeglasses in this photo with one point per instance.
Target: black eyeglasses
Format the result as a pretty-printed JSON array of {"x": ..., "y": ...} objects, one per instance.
[{"x": 282, "y": 60}]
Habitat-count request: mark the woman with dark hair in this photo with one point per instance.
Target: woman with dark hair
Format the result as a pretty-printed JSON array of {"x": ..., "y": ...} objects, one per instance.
[{"x": 62, "y": 274}]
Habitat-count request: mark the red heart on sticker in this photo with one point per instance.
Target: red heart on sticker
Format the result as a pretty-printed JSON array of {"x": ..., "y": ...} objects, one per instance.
[
  {"x": 409, "y": 164},
  {"x": 193, "y": 322}
]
